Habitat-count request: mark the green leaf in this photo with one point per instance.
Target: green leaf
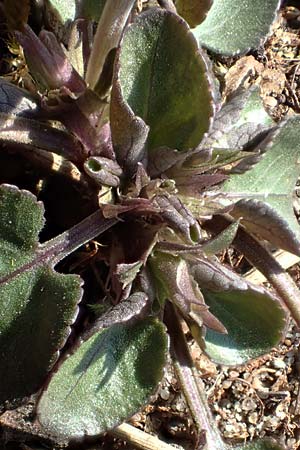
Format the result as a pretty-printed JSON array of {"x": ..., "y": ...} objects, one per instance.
[
  {"x": 235, "y": 26},
  {"x": 272, "y": 182},
  {"x": 252, "y": 316},
  {"x": 92, "y": 9},
  {"x": 108, "y": 378},
  {"x": 161, "y": 77},
  {"x": 193, "y": 11},
  {"x": 175, "y": 282},
  {"x": 265, "y": 444},
  {"x": 240, "y": 120},
  {"x": 37, "y": 304},
  {"x": 61, "y": 11},
  {"x": 221, "y": 241}
]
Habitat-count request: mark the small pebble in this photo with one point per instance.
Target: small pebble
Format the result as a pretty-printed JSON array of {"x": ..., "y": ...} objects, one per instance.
[
  {"x": 164, "y": 393},
  {"x": 278, "y": 363},
  {"x": 271, "y": 102},
  {"x": 226, "y": 384},
  {"x": 248, "y": 404},
  {"x": 253, "y": 417},
  {"x": 233, "y": 374}
]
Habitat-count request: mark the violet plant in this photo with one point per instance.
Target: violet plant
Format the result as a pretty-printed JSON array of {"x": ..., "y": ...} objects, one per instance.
[{"x": 171, "y": 177}]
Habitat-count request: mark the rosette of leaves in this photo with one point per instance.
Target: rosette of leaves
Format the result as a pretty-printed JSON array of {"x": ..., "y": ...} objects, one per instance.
[{"x": 142, "y": 139}]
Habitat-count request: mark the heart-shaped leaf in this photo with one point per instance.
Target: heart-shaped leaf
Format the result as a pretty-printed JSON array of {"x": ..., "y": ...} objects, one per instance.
[
  {"x": 272, "y": 182},
  {"x": 108, "y": 378},
  {"x": 253, "y": 317},
  {"x": 37, "y": 304},
  {"x": 161, "y": 78},
  {"x": 234, "y": 26}
]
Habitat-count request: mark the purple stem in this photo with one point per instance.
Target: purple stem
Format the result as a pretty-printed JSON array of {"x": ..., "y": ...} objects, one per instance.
[
  {"x": 191, "y": 383},
  {"x": 53, "y": 251}
]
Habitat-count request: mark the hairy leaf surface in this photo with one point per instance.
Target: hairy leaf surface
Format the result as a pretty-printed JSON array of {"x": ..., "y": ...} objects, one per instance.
[
  {"x": 239, "y": 121},
  {"x": 260, "y": 445},
  {"x": 234, "y": 26},
  {"x": 108, "y": 378},
  {"x": 272, "y": 182},
  {"x": 37, "y": 305},
  {"x": 253, "y": 318},
  {"x": 162, "y": 79}
]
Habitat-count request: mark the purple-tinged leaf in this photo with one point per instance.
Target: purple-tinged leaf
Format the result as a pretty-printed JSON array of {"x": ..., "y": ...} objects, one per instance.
[
  {"x": 105, "y": 381},
  {"x": 161, "y": 77},
  {"x": 138, "y": 207},
  {"x": 194, "y": 184},
  {"x": 18, "y": 102},
  {"x": 163, "y": 158},
  {"x": 240, "y": 120},
  {"x": 128, "y": 310},
  {"x": 272, "y": 182},
  {"x": 178, "y": 217},
  {"x": 175, "y": 282},
  {"x": 254, "y": 319},
  {"x": 21, "y": 124},
  {"x": 129, "y": 132},
  {"x": 221, "y": 241},
  {"x": 262, "y": 220},
  {"x": 48, "y": 63}
]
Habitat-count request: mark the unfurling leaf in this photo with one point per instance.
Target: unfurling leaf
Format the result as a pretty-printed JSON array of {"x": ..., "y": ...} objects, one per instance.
[
  {"x": 240, "y": 120},
  {"x": 105, "y": 381},
  {"x": 176, "y": 283},
  {"x": 222, "y": 241},
  {"x": 104, "y": 171},
  {"x": 253, "y": 317},
  {"x": 48, "y": 62},
  {"x": 178, "y": 217}
]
